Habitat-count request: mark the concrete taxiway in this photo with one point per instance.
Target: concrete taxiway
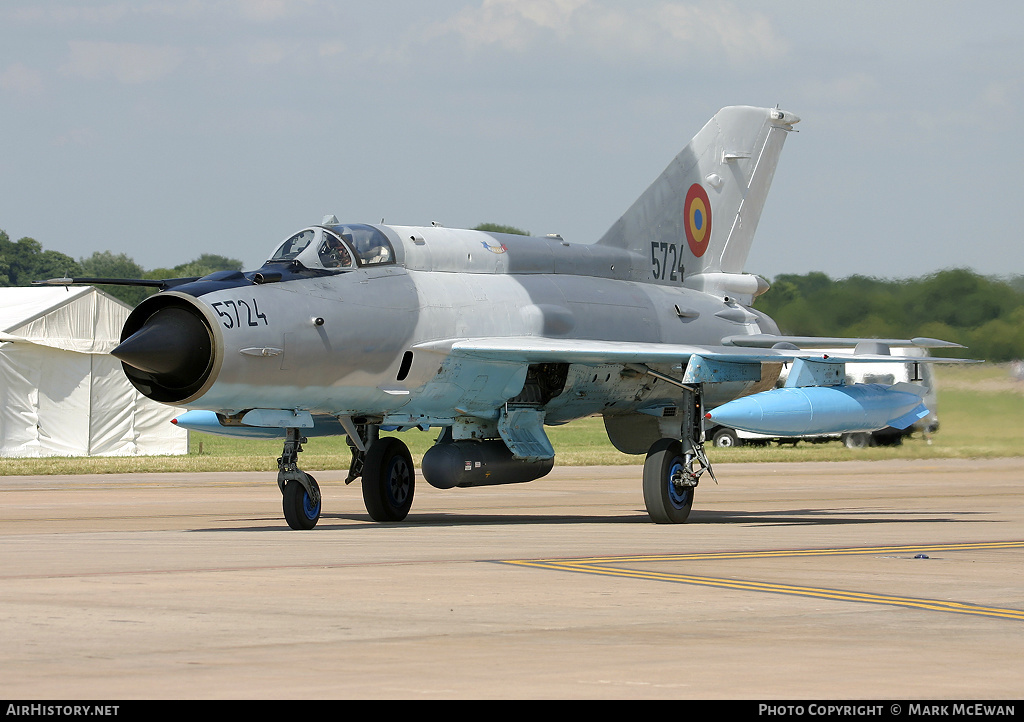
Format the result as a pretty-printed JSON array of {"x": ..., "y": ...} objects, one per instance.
[{"x": 791, "y": 581}]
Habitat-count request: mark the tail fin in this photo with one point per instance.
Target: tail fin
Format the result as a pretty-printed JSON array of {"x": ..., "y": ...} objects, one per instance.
[{"x": 697, "y": 220}]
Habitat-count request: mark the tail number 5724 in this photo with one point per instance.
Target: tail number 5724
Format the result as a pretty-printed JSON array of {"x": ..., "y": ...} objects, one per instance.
[
  {"x": 235, "y": 314},
  {"x": 666, "y": 261}
]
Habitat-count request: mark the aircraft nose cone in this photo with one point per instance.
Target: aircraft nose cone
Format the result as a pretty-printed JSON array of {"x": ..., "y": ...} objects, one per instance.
[{"x": 173, "y": 345}]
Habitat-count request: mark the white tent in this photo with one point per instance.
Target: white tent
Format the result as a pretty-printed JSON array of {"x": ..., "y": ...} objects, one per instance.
[{"x": 61, "y": 393}]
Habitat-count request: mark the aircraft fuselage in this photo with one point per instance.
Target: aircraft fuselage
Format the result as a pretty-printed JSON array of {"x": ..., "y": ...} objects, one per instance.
[{"x": 350, "y": 342}]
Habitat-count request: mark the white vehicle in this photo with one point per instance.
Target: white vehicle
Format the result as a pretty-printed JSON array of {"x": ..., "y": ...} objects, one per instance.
[{"x": 864, "y": 373}]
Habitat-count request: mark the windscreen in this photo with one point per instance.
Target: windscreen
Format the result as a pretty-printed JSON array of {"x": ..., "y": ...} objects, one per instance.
[{"x": 294, "y": 246}]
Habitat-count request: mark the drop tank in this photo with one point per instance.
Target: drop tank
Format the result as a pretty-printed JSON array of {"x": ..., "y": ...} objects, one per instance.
[{"x": 478, "y": 463}]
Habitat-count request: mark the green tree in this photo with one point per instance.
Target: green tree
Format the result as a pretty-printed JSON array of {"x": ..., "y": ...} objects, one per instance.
[
  {"x": 498, "y": 228},
  {"x": 959, "y": 297},
  {"x": 1001, "y": 339},
  {"x": 105, "y": 264},
  {"x": 206, "y": 264},
  {"x": 983, "y": 313},
  {"x": 25, "y": 261},
  {"x": 203, "y": 266}
]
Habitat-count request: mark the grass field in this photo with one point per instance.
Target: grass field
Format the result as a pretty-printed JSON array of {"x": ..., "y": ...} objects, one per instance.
[{"x": 981, "y": 414}]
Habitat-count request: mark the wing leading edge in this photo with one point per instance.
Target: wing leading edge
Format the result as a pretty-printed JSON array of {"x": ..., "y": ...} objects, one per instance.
[{"x": 783, "y": 349}]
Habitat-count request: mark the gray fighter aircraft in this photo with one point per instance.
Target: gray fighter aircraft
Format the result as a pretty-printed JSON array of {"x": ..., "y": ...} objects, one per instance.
[{"x": 350, "y": 328}]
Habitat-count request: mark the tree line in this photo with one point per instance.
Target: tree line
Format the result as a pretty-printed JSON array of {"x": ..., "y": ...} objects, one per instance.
[
  {"x": 25, "y": 261},
  {"x": 983, "y": 313}
]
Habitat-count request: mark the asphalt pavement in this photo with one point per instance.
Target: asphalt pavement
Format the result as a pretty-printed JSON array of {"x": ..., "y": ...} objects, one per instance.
[{"x": 848, "y": 580}]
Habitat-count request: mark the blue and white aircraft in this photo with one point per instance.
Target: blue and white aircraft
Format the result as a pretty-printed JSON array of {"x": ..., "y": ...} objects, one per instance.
[{"x": 488, "y": 337}]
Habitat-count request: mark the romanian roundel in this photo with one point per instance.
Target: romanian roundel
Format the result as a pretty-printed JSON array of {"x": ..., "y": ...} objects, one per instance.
[{"x": 697, "y": 222}]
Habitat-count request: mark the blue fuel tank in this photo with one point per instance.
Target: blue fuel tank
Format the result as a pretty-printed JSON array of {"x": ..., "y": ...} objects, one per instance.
[
  {"x": 209, "y": 422},
  {"x": 823, "y": 409}
]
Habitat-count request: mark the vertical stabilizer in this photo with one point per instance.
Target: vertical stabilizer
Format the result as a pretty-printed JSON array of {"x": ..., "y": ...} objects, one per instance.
[{"x": 697, "y": 220}]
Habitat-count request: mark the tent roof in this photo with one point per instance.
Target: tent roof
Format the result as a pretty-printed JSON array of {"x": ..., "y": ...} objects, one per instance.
[
  {"x": 80, "y": 318},
  {"x": 23, "y": 304}
]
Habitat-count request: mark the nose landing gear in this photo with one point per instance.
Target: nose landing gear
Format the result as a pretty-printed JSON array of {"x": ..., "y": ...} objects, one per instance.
[{"x": 299, "y": 490}]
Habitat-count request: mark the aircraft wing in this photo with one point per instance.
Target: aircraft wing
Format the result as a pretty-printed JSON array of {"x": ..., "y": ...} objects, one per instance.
[
  {"x": 535, "y": 349},
  {"x": 766, "y": 340},
  {"x": 698, "y": 364}
]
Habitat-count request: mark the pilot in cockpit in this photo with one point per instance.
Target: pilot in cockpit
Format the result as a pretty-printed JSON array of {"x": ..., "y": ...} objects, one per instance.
[
  {"x": 378, "y": 254},
  {"x": 333, "y": 253}
]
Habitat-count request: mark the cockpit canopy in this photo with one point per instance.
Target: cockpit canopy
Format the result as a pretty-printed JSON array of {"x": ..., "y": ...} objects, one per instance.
[{"x": 338, "y": 247}]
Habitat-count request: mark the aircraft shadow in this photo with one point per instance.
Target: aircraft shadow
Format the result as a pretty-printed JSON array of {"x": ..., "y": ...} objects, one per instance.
[
  {"x": 785, "y": 517},
  {"x": 822, "y": 517}
]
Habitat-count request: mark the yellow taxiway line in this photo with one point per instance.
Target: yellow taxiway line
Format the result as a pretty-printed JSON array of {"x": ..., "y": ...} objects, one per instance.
[{"x": 610, "y": 566}]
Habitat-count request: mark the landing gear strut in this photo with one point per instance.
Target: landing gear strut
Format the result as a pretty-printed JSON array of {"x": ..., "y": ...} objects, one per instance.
[
  {"x": 300, "y": 492},
  {"x": 674, "y": 467},
  {"x": 387, "y": 472}
]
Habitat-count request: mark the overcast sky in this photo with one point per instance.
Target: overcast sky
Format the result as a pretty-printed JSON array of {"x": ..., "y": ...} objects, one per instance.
[{"x": 169, "y": 128}]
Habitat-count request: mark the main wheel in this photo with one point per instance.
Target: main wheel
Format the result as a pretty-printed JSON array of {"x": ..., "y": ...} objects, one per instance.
[
  {"x": 726, "y": 438},
  {"x": 666, "y": 502},
  {"x": 858, "y": 440},
  {"x": 389, "y": 480},
  {"x": 299, "y": 510}
]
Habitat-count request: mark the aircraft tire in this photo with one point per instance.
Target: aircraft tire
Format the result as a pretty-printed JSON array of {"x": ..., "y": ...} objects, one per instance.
[
  {"x": 726, "y": 438},
  {"x": 858, "y": 440},
  {"x": 298, "y": 511},
  {"x": 665, "y": 502},
  {"x": 389, "y": 480}
]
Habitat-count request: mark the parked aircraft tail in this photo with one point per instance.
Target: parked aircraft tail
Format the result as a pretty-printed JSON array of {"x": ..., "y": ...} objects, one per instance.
[{"x": 697, "y": 220}]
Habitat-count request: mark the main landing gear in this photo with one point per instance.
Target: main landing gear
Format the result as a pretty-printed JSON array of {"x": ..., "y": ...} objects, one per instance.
[
  {"x": 674, "y": 467},
  {"x": 388, "y": 480},
  {"x": 670, "y": 478},
  {"x": 671, "y": 473},
  {"x": 384, "y": 464}
]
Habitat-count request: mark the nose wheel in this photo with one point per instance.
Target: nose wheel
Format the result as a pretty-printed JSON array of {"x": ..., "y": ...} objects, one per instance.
[
  {"x": 299, "y": 490},
  {"x": 301, "y": 508}
]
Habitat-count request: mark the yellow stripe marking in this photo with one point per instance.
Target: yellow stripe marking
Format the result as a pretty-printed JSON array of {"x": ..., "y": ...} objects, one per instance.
[{"x": 601, "y": 566}]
